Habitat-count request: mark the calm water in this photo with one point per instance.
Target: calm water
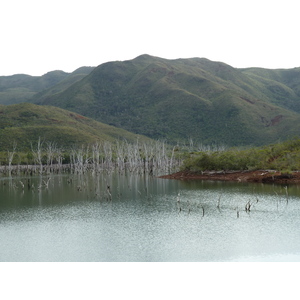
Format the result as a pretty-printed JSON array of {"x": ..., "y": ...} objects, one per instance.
[{"x": 77, "y": 218}]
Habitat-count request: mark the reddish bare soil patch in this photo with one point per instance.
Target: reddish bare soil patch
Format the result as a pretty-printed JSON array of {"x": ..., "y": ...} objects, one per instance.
[
  {"x": 263, "y": 176},
  {"x": 76, "y": 116}
]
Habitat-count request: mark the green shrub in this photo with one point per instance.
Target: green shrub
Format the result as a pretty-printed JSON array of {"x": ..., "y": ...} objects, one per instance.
[{"x": 281, "y": 156}]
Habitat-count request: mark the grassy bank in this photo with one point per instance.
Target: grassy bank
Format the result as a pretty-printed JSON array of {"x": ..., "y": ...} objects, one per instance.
[{"x": 283, "y": 156}]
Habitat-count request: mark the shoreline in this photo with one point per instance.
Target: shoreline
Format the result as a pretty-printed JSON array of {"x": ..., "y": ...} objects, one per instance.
[{"x": 259, "y": 176}]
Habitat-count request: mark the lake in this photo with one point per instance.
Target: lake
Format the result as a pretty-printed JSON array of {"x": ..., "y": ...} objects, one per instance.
[{"x": 135, "y": 218}]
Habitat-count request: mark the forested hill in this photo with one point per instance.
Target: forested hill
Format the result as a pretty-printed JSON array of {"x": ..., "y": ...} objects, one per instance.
[
  {"x": 21, "y": 87},
  {"x": 188, "y": 98},
  {"x": 24, "y": 124},
  {"x": 210, "y": 102}
]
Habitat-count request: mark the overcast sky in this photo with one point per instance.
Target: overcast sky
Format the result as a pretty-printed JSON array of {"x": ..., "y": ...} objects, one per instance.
[{"x": 38, "y": 36}]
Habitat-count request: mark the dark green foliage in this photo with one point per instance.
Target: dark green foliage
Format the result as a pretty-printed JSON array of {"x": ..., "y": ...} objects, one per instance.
[{"x": 281, "y": 156}]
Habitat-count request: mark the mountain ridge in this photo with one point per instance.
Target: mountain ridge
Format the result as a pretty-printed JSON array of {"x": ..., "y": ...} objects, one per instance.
[
  {"x": 20, "y": 88},
  {"x": 193, "y": 98},
  {"x": 178, "y": 99}
]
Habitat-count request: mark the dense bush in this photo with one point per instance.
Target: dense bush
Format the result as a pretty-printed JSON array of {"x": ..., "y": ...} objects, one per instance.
[{"x": 281, "y": 156}]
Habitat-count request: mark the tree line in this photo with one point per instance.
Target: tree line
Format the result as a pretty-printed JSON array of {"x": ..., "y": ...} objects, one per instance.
[{"x": 44, "y": 157}]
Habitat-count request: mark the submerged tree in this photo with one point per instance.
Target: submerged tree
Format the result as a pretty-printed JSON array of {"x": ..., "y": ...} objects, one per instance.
[
  {"x": 141, "y": 157},
  {"x": 38, "y": 154},
  {"x": 10, "y": 156}
]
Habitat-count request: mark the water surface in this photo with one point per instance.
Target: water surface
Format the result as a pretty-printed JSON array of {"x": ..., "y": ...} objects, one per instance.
[{"x": 112, "y": 217}]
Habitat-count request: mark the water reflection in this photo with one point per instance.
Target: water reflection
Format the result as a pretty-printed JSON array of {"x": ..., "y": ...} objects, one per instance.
[{"x": 112, "y": 217}]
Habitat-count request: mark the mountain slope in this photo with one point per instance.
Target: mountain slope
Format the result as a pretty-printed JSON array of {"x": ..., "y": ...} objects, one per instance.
[
  {"x": 210, "y": 102},
  {"x": 20, "y": 87},
  {"x": 25, "y": 123},
  {"x": 282, "y": 86}
]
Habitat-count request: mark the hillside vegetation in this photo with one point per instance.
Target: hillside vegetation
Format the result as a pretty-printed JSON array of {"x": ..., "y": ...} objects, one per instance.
[
  {"x": 283, "y": 156},
  {"x": 24, "y": 124},
  {"x": 210, "y": 102},
  {"x": 20, "y": 87}
]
